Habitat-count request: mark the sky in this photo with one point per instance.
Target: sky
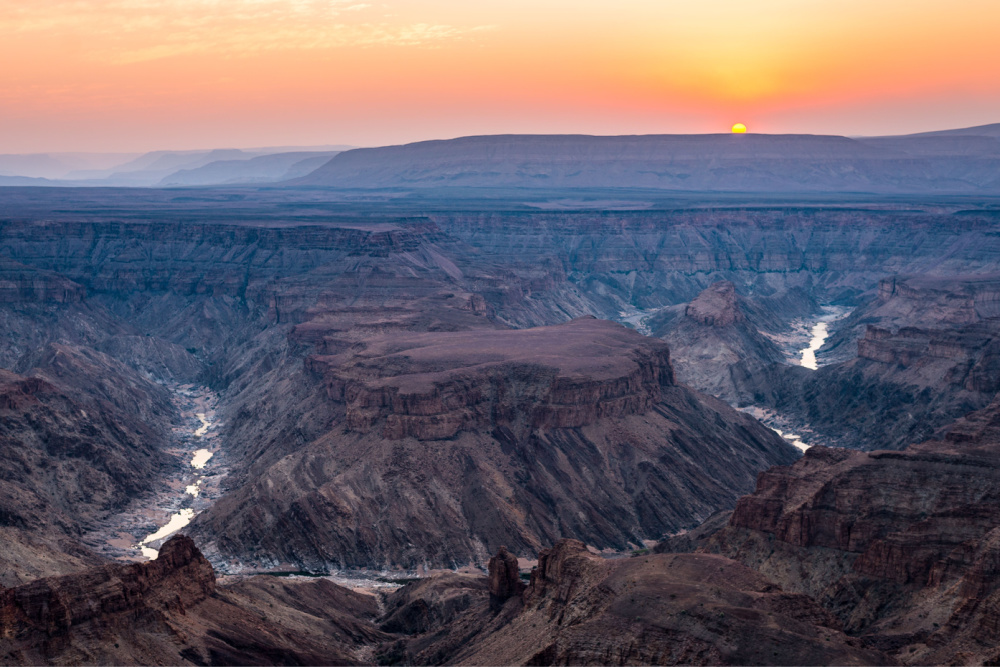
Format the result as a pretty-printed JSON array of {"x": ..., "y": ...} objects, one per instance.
[{"x": 137, "y": 75}]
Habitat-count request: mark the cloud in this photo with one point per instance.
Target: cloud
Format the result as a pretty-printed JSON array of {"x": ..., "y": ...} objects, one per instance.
[{"x": 128, "y": 31}]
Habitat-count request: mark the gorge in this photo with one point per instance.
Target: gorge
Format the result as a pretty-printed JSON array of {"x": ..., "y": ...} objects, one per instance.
[{"x": 407, "y": 386}]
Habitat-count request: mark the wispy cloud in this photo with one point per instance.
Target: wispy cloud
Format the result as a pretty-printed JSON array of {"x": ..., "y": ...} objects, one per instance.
[{"x": 127, "y": 31}]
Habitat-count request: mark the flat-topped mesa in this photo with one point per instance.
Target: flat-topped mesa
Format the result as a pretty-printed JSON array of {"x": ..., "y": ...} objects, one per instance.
[
  {"x": 716, "y": 306},
  {"x": 434, "y": 385}
]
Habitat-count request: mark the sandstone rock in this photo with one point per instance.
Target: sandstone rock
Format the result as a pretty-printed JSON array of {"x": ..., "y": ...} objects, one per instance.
[{"x": 505, "y": 578}]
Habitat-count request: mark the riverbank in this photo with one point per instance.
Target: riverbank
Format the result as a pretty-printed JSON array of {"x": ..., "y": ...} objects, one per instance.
[{"x": 188, "y": 487}]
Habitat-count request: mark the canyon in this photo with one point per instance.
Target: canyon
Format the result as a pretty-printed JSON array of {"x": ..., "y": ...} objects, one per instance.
[{"x": 455, "y": 389}]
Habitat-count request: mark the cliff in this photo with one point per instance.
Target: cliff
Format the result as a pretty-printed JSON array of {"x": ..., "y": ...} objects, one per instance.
[
  {"x": 901, "y": 546},
  {"x": 173, "y": 611},
  {"x": 431, "y": 386}
]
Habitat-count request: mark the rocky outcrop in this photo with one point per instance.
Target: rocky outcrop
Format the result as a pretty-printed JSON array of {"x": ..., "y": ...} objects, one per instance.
[
  {"x": 431, "y": 604},
  {"x": 173, "y": 611},
  {"x": 656, "y": 609},
  {"x": 901, "y": 546},
  {"x": 177, "y": 580},
  {"x": 505, "y": 578},
  {"x": 716, "y": 306},
  {"x": 716, "y": 348}
]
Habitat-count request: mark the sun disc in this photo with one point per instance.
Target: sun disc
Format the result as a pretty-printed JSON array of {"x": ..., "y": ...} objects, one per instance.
[{"x": 739, "y": 128}]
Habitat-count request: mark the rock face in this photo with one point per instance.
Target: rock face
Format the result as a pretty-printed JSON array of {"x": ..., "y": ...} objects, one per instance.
[
  {"x": 900, "y": 546},
  {"x": 505, "y": 578},
  {"x": 71, "y": 451},
  {"x": 60, "y": 607},
  {"x": 25, "y": 284},
  {"x": 716, "y": 306},
  {"x": 657, "y": 609},
  {"x": 171, "y": 611},
  {"x": 446, "y": 445},
  {"x": 429, "y": 605}
]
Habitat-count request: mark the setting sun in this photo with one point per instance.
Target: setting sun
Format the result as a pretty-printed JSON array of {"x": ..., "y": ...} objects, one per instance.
[{"x": 739, "y": 128}]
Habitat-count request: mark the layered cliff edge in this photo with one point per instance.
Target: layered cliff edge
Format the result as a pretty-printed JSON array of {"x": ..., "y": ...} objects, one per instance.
[
  {"x": 901, "y": 546},
  {"x": 173, "y": 611}
]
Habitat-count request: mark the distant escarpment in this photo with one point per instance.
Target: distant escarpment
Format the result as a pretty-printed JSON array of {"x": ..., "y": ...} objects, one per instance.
[
  {"x": 901, "y": 546},
  {"x": 709, "y": 162},
  {"x": 445, "y": 446}
]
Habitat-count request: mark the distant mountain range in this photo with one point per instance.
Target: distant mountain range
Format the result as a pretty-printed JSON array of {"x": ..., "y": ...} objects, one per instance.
[
  {"x": 961, "y": 161},
  {"x": 164, "y": 168}
]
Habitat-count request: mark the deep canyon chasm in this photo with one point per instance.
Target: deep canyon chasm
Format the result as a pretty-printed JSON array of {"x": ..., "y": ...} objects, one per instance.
[{"x": 413, "y": 389}]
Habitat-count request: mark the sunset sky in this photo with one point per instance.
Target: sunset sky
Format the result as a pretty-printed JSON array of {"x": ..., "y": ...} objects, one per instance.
[{"x": 133, "y": 75}]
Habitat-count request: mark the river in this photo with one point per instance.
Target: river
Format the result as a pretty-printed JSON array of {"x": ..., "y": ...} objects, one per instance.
[
  {"x": 190, "y": 488},
  {"x": 800, "y": 346},
  {"x": 198, "y": 463}
]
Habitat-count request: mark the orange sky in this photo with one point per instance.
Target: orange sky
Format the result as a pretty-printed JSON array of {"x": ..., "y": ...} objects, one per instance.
[{"x": 130, "y": 75}]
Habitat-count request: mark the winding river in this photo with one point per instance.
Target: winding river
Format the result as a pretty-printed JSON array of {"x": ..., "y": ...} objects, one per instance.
[
  {"x": 818, "y": 331},
  {"x": 198, "y": 462}
]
